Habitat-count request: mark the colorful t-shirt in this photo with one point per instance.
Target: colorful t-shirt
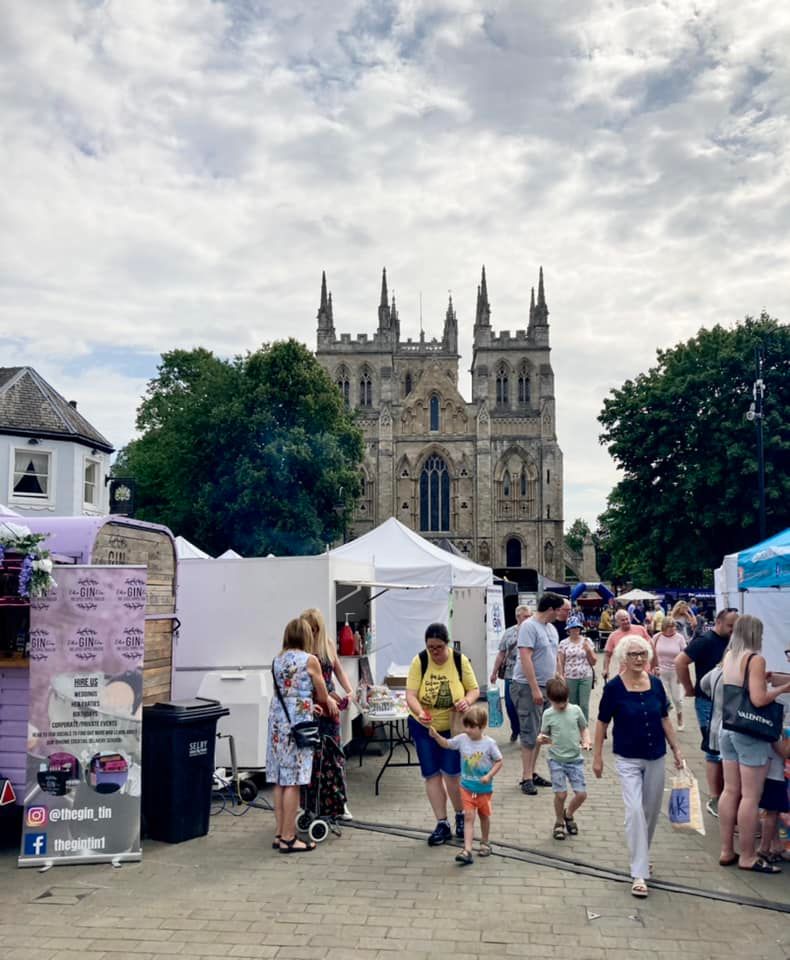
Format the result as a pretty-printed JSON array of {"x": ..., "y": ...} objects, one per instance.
[
  {"x": 477, "y": 759},
  {"x": 577, "y": 666},
  {"x": 565, "y": 728},
  {"x": 441, "y": 687}
]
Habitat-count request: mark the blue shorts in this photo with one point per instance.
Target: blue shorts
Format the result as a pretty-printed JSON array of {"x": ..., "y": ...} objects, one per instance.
[
  {"x": 564, "y": 772},
  {"x": 743, "y": 749},
  {"x": 704, "y": 710},
  {"x": 433, "y": 758}
]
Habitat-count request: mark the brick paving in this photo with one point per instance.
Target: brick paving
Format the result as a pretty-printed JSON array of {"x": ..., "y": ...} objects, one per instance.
[{"x": 366, "y": 895}]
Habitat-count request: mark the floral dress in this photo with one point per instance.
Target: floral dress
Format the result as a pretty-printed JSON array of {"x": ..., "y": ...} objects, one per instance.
[
  {"x": 287, "y": 765},
  {"x": 326, "y": 794}
]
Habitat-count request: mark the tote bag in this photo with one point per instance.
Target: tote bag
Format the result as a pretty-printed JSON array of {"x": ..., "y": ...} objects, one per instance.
[{"x": 740, "y": 715}]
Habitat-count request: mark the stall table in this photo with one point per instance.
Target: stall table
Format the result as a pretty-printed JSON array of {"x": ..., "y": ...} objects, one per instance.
[{"x": 397, "y": 735}]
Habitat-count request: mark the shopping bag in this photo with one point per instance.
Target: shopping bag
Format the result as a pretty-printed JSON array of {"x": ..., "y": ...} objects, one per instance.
[
  {"x": 495, "y": 718},
  {"x": 685, "y": 807}
]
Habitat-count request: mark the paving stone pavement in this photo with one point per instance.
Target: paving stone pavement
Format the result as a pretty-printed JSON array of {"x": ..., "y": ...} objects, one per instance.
[{"x": 367, "y": 895}]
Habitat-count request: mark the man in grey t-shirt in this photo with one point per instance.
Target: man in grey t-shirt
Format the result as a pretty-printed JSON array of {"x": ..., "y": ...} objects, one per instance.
[{"x": 535, "y": 666}]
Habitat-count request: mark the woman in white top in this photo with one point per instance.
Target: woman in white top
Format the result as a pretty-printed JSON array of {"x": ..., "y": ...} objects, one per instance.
[{"x": 668, "y": 644}]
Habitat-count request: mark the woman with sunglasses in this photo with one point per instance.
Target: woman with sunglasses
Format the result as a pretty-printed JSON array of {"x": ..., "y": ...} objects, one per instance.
[{"x": 637, "y": 703}]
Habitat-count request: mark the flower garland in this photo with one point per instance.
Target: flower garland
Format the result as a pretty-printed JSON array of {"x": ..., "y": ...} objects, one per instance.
[{"x": 35, "y": 576}]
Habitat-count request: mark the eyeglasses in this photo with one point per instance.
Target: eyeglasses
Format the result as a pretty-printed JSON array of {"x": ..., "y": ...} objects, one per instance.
[{"x": 641, "y": 655}]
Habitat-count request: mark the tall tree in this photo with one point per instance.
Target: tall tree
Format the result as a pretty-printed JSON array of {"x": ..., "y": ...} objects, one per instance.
[
  {"x": 575, "y": 534},
  {"x": 259, "y": 452},
  {"x": 688, "y": 454}
]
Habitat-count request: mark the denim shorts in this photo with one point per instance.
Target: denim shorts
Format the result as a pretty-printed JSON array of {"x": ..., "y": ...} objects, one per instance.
[
  {"x": 433, "y": 758},
  {"x": 743, "y": 749},
  {"x": 563, "y": 773}
]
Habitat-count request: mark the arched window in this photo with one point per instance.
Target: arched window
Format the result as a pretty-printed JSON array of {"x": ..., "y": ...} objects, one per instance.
[
  {"x": 513, "y": 552},
  {"x": 407, "y": 385},
  {"x": 434, "y": 495},
  {"x": 506, "y": 484},
  {"x": 523, "y": 385},
  {"x": 344, "y": 385},
  {"x": 501, "y": 386},
  {"x": 434, "y": 412},
  {"x": 365, "y": 390},
  {"x": 524, "y": 482}
]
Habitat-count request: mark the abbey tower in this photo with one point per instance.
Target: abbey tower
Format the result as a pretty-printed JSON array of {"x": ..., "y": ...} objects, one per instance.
[{"x": 485, "y": 475}]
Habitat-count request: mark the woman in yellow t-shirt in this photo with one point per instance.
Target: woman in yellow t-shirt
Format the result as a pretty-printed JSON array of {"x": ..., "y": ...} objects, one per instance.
[{"x": 440, "y": 682}]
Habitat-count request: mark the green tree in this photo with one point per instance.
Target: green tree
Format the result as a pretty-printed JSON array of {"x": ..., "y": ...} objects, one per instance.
[
  {"x": 575, "y": 534},
  {"x": 259, "y": 452},
  {"x": 687, "y": 453}
]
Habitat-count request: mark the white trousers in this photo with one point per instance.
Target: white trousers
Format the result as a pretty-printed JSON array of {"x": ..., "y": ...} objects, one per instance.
[
  {"x": 642, "y": 783},
  {"x": 673, "y": 690}
]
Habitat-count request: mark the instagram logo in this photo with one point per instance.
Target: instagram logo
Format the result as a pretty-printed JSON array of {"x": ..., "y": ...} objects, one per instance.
[{"x": 36, "y": 816}]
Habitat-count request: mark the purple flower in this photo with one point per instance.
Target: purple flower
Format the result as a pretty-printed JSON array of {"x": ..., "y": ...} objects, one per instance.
[{"x": 25, "y": 575}]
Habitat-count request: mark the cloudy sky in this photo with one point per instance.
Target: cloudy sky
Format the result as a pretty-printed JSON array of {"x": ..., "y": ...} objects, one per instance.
[{"x": 178, "y": 173}]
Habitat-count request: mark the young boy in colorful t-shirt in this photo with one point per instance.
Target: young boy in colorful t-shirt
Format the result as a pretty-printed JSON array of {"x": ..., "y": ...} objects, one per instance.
[
  {"x": 564, "y": 729},
  {"x": 481, "y": 761}
]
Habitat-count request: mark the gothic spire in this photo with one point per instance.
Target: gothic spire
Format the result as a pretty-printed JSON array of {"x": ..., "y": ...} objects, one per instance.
[
  {"x": 541, "y": 294},
  {"x": 450, "y": 335},
  {"x": 323, "y": 291},
  {"x": 325, "y": 308},
  {"x": 385, "y": 317},
  {"x": 483, "y": 313},
  {"x": 384, "y": 297},
  {"x": 331, "y": 308},
  {"x": 539, "y": 314}
]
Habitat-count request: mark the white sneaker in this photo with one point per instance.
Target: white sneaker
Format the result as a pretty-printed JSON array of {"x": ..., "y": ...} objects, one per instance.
[{"x": 346, "y": 814}]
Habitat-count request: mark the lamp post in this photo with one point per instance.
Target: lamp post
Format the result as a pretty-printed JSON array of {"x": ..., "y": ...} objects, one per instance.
[{"x": 756, "y": 414}]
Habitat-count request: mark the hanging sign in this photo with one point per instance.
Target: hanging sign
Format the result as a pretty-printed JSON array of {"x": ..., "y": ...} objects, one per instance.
[{"x": 82, "y": 801}]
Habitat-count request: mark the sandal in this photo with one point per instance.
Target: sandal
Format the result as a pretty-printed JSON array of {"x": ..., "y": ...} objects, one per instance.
[
  {"x": 484, "y": 850},
  {"x": 559, "y": 831},
  {"x": 770, "y": 857},
  {"x": 464, "y": 858},
  {"x": 728, "y": 861},
  {"x": 276, "y": 841},
  {"x": 761, "y": 866},
  {"x": 639, "y": 888},
  {"x": 570, "y": 825},
  {"x": 289, "y": 846}
]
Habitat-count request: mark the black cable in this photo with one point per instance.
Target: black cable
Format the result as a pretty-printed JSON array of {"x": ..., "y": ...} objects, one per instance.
[{"x": 552, "y": 861}]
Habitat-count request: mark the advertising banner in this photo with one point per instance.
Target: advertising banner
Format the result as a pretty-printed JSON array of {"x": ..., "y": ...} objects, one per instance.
[
  {"x": 82, "y": 801},
  {"x": 495, "y": 625}
]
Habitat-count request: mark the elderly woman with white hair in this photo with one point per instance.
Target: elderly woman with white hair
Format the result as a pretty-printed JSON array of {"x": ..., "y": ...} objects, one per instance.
[{"x": 637, "y": 703}]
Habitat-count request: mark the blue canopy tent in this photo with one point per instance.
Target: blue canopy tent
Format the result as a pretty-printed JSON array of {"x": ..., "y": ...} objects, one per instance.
[{"x": 767, "y": 564}]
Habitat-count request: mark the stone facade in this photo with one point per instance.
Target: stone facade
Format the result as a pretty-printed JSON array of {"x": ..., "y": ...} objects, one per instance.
[{"x": 486, "y": 475}]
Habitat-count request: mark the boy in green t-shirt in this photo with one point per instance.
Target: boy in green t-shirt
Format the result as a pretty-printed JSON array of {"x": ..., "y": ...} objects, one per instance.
[{"x": 565, "y": 731}]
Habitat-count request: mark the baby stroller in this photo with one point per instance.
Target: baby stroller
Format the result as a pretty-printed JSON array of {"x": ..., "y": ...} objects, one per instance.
[{"x": 313, "y": 818}]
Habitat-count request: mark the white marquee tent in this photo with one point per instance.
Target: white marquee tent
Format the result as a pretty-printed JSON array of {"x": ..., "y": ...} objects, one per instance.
[
  {"x": 188, "y": 551},
  {"x": 399, "y": 555}
]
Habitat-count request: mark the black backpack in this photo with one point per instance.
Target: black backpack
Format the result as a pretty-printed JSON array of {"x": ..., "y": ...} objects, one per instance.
[{"x": 456, "y": 659}]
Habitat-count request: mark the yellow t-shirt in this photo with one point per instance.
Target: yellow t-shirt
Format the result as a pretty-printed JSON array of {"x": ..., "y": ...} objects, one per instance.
[{"x": 440, "y": 688}]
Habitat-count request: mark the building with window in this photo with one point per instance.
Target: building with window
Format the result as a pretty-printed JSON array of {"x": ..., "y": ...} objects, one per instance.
[
  {"x": 485, "y": 475},
  {"x": 51, "y": 459}
]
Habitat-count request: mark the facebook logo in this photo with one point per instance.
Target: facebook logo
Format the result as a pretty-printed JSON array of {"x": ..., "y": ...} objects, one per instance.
[{"x": 35, "y": 844}]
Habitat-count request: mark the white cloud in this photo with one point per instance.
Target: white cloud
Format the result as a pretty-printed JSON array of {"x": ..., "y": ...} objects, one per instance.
[{"x": 178, "y": 172}]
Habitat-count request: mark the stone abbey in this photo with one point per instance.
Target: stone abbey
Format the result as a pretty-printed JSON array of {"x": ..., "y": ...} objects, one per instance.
[{"x": 485, "y": 475}]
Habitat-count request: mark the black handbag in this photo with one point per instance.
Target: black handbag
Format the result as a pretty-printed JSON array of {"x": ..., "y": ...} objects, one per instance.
[
  {"x": 740, "y": 715},
  {"x": 305, "y": 733}
]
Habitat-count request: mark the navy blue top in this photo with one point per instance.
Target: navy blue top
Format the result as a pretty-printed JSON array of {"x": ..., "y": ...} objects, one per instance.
[{"x": 638, "y": 733}]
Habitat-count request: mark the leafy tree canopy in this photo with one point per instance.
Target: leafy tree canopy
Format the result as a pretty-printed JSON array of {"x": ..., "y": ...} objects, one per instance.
[
  {"x": 688, "y": 455},
  {"x": 259, "y": 452},
  {"x": 575, "y": 534}
]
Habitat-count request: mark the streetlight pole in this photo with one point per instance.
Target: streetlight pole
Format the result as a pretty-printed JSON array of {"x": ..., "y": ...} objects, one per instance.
[{"x": 756, "y": 413}]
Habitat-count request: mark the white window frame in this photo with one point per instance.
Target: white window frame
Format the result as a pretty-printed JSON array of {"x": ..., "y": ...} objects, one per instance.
[
  {"x": 27, "y": 499},
  {"x": 86, "y": 462}
]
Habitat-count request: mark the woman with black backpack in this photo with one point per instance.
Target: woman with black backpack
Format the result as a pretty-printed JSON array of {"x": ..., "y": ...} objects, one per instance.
[{"x": 440, "y": 688}]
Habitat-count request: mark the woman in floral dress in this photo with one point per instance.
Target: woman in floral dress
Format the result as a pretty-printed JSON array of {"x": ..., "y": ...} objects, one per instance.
[
  {"x": 326, "y": 795},
  {"x": 575, "y": 662},
  {"x": 298, "y": 676}
]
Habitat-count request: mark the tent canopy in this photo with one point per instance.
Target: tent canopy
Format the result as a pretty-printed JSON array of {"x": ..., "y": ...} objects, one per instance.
[
  {"x": 188, "y": 551},
  {"x": 230, "y": 554},
  {"x": 767, "y": 564},
  {"x": 637, "y": 594},
  {"x": 402, "y": 556}
]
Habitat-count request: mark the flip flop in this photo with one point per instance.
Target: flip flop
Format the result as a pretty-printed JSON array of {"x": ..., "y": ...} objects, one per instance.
[
  {"x": 729, "y": 861},
  {"x": 287, "y": 846},
  {"x": 760, "y": 866}
]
